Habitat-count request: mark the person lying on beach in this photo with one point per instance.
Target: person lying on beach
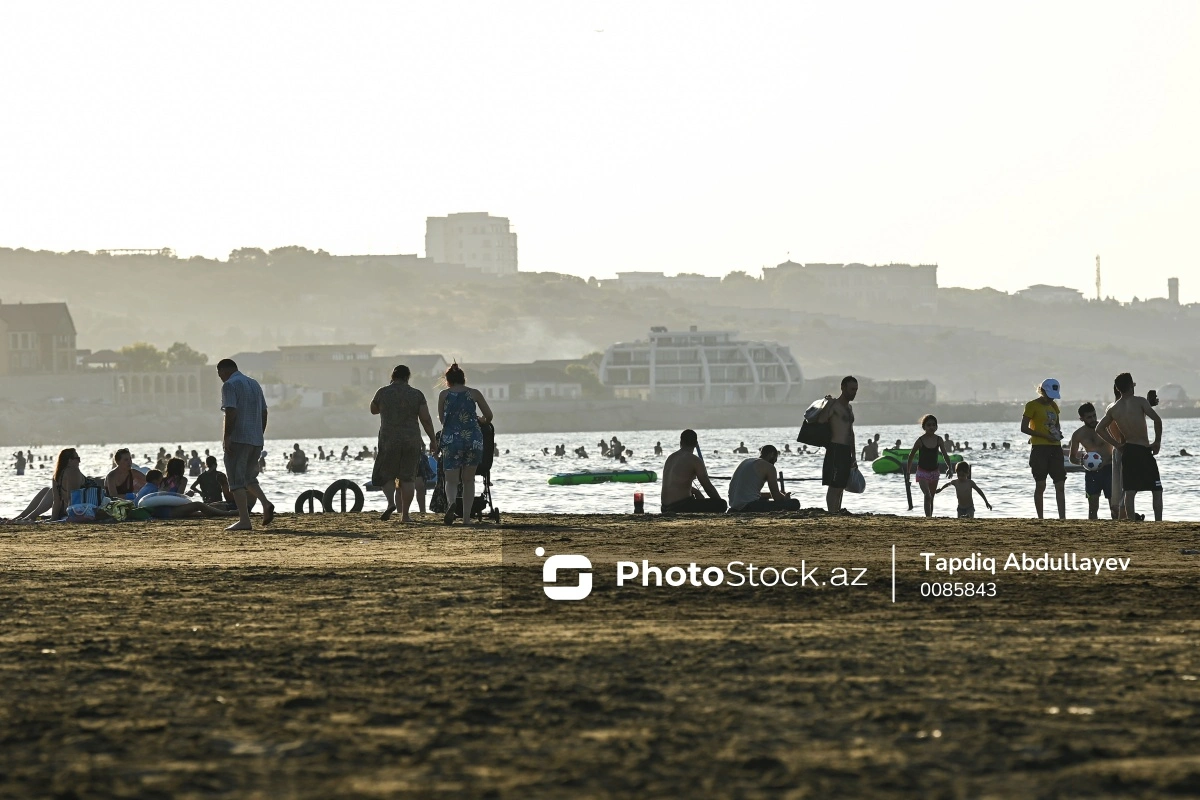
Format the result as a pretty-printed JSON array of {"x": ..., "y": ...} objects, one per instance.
[
  {"x": 963, "y": 486},
  {"x": 174, "y": 482},
  {"x": 745, "y": 487},
  {"x": 681, "y": 468}
]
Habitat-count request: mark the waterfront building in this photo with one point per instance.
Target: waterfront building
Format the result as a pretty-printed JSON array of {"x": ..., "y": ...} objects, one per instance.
[{"x": 693, "y": 366}]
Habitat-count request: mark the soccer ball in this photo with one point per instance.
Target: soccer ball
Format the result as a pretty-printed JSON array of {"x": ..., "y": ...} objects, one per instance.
[{"x": 1092, "y": 461}]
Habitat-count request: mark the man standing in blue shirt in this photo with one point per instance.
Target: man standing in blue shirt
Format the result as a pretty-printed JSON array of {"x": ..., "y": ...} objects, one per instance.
[{"x": 245, "y": 423}]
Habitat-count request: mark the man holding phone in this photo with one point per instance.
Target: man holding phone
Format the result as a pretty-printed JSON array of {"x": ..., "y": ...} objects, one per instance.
[{"x": 1139, "y": 469}]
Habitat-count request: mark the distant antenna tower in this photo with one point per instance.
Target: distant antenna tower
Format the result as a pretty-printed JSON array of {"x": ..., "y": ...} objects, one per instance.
[{"x": 1097, "y": 277}]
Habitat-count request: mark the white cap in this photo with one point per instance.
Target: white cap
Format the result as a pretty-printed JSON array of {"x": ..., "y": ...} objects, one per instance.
[{"x": 1051, "y": 388}]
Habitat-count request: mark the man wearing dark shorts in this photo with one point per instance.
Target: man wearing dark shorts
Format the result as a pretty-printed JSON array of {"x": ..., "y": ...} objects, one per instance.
[
  {"x": 839, "y": 453},
  {"x": 1139, "y": 469},
  {"x": 1041, "y": 423},
  {"x": 745, "y": 487},
  {"x": 400, "y": 408},
  {"x": 1095, "y": 482},
  {"x": 245, "y": 423}
]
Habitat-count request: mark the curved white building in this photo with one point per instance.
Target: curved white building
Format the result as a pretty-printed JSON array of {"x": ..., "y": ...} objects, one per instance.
[{"x": 689, "y": 367}]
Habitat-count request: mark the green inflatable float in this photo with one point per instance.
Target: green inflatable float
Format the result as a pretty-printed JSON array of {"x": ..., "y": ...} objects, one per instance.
[
  {"x": 893, "y": 459},
  {"x": 612, "y": 476}
]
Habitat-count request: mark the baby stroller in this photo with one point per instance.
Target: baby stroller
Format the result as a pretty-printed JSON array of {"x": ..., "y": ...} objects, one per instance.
[{"x": 483, "y": 500}]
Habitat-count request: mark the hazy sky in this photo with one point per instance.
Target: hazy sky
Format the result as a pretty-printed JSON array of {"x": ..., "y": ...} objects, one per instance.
[{"x": 1008, "y": 142}]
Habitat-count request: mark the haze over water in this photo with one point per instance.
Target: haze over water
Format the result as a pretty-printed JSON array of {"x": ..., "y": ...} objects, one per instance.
[{"x": 520, "y": 476}]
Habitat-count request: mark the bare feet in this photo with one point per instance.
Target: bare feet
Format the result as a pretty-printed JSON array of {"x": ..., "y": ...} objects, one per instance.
[
  {"x": 268, "y": 515},
  {"x": 240, "y": 526},
  {"x": 387, "y": 514},
  {"x": 406, "y": 518}
]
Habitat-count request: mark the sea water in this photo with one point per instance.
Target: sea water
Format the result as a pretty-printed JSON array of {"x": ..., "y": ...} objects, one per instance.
[{"x": 521, "y": 471}]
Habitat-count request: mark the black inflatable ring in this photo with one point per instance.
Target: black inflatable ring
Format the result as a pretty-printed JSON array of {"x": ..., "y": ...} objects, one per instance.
[
  {"x": 311, "y": 497},
  {"x": 340, "y": 487}
]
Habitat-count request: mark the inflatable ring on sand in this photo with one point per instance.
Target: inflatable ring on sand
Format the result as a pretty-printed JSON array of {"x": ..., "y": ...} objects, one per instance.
[
  {"x": 162, "y": 499},
  {"x": 341, "y": 487},
  {"x": 312, "y": 498}
]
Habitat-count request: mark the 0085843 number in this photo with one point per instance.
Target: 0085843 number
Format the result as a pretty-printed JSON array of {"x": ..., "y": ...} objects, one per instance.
[{"x": 958, "y": 589}]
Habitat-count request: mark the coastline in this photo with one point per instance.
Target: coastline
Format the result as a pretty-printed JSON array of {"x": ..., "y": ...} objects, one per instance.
[{"x": 99, "y": 424}]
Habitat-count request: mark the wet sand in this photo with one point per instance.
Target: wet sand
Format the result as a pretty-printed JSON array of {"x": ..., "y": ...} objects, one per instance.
[{"x": 338, "y": 656}]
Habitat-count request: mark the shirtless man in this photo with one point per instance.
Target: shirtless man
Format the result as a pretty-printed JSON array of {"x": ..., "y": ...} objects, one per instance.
[
  {"x": 1139, "y": 470},
  {"x": 1118, "y": 490},
  {"x": 682, "y": 467},
  {"x": 298, "y": 460},
  {"x": 839, "y": 453},
  {"x": 1083, "y": 441}
]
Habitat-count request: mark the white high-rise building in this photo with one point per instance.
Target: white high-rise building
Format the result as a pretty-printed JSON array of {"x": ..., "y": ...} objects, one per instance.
[{"x": 473, "y": 238}]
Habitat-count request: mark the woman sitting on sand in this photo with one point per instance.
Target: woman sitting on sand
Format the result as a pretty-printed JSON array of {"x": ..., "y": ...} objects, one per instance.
[
  {"x": 57, "y": 496},
  {"x": 123, "y": 479},
  {"x": 174, "y": 482},
  {"x": 462, "y": 438}
]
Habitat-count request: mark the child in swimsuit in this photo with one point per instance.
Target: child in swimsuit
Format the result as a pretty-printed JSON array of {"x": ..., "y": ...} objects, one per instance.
[
  {"x": 963, "y": 486},
  {"x": 928, "y": 447}
]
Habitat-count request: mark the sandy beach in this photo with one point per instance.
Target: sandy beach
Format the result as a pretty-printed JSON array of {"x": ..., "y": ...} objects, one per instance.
[{"x": 333, "y": 655}]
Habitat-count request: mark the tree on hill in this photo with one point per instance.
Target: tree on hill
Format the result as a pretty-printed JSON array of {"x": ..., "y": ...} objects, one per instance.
[
  {"x": 248, "y": 255},
  {"x": 143, "y": 357},
  {"x": 589, "y": 382},
  {"x": 181, "y": 355}
]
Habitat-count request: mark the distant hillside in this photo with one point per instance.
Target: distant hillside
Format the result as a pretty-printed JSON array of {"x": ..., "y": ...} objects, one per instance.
[{"x": 979, "y": 344}]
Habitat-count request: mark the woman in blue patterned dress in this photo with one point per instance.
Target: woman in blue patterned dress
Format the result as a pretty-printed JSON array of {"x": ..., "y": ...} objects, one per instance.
[{"x": 461, "y": 410}]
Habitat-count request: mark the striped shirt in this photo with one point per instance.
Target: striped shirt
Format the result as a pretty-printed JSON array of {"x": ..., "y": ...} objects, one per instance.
[{"x": 246, "y": 396}]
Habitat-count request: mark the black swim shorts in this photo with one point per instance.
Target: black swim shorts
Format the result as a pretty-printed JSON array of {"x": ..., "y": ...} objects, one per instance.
[
  {"x": 1139, "y": 470},
  {"x": 1098, "y": 481},
  {"x": 839, "y": 461},
  {"x": 696, "y": 505}
]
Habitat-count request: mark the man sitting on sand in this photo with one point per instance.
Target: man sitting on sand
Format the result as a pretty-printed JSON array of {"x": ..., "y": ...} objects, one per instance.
[
  {"x": 745, "y": 488},
  {"x": 213, "y": 486},
  {"x": 682, "y": 467},
  {"x": 1139, "y": 470}
]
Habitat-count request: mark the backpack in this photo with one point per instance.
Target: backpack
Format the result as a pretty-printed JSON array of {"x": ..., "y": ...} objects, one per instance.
[{"x": 816, "y": 434}]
